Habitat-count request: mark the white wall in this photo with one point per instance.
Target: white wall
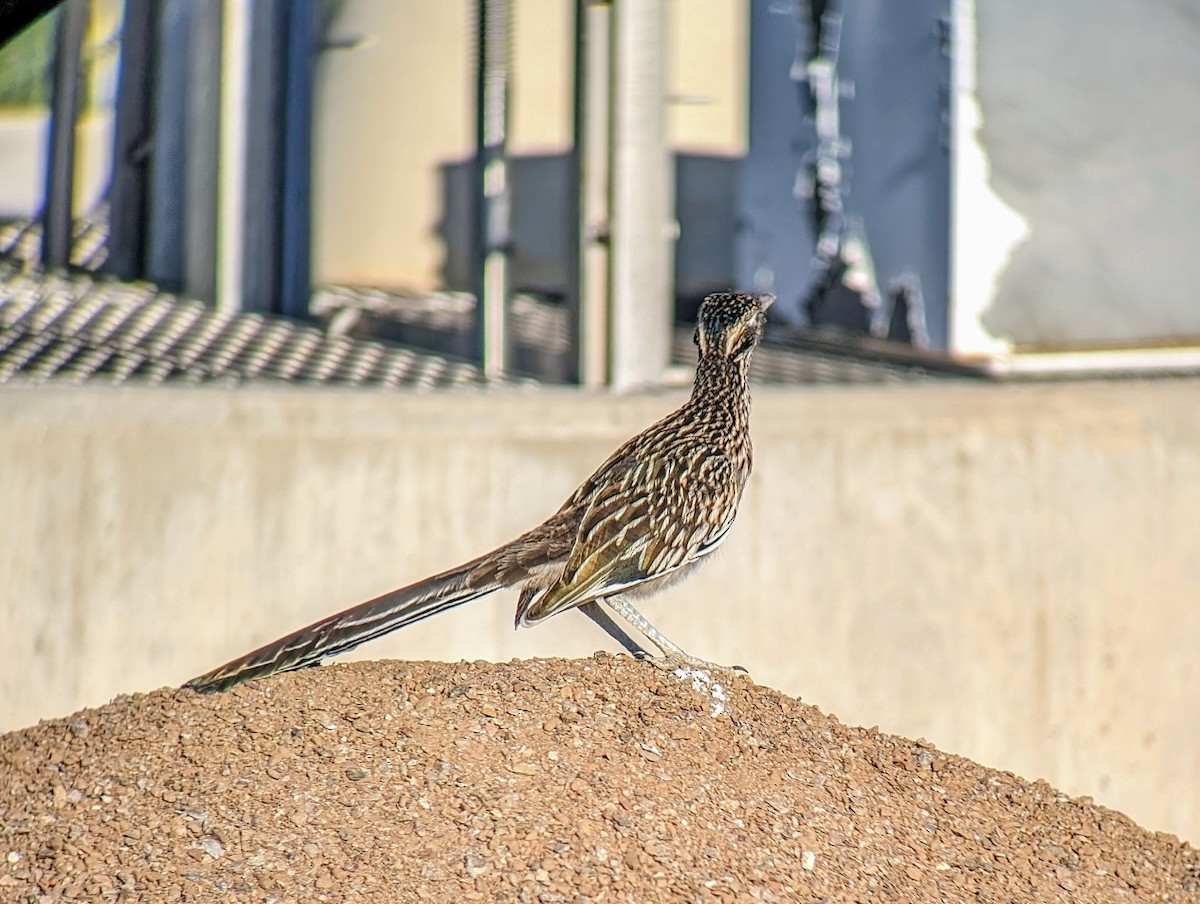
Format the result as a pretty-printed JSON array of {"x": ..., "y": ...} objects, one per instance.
[{"x": 1089, "y": 123}]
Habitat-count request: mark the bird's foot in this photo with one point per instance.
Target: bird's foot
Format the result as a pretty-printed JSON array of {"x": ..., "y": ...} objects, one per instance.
[
  {"x": 706, "y": 677},
  {"x": 672, "y": 660}
]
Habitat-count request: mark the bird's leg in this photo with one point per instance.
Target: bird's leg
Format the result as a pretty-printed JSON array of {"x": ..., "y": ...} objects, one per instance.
[
  {"x": 671, "y": 656},
  {"x": 593, "y": 611},
  {"x": 666, "y": 647},
  {"x": 705, "y": 677}
]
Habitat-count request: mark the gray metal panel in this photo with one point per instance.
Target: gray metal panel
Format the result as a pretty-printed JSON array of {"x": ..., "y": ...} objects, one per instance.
[
  {"x": 879, "y": 148},
  {"x": 776, "y": 236},
  {"x": 899, "y": 166}
]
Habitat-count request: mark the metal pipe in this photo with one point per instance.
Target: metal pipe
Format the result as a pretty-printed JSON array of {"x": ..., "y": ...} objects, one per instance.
[
  {"x": 128, "y": 194},
  {"x": 201, "y": 153},
  {"x": 304, "y": 29},
  {"x": 58, "y": 211},
  {"x": 167, "y": 196},
  {"x": 588, "y": 284},
  {"x": 641, "y": 197},
  {"x": 233, "y": 157},
  {"x": 263, "y": 149},
  {"x": 492, "y": 193},
  {"x": 576, "y": 230}
]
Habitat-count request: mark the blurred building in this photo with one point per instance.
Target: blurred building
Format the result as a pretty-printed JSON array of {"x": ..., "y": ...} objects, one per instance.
[{"x": 985, "y": 185}]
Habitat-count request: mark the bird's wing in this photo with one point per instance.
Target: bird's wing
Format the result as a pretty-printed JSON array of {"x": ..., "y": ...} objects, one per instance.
[{"x": 659, "y": 515}]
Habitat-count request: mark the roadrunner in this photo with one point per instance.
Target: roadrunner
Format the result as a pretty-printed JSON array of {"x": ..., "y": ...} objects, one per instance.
[{"x": 652, "y": 512}]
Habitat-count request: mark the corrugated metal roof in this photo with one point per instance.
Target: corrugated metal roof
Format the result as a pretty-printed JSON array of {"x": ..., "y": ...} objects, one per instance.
[
  {"x": 21, "y": 241},
  {"x": 78, "y": 328},
  {"x": 540, "y": 339},
  {"x": 81, "y": 327}
]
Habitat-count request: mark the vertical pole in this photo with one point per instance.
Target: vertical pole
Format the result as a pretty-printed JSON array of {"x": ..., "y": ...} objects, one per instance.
[
  {"x": 202, "y": 139},
  {"x": 262, "y": 203},
  {"x": 576, "y": 228},
  {"x": 128, "y": 194},
  {"x": 58, "y": 210},
  {"x": 493, "y": 215},
  {"x": 296, "y": 229},
  {"x": 589, "y": 263},
  {"x": 165, "y": 204},
  {"x": 168, "y": 162},
  {"x": 231, "y": 186},
  {"x": 642, "y": 292}
]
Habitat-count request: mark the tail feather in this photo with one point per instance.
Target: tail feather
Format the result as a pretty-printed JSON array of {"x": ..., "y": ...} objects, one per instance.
[{"x": 345, "y": 630}]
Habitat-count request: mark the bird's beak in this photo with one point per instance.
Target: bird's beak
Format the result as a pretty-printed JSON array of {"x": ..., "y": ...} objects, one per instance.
[{"x": 766, "y": 300}]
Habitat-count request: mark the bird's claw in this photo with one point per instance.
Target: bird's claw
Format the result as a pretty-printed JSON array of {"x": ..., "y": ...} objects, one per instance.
[{"x": 702, "y": 674}]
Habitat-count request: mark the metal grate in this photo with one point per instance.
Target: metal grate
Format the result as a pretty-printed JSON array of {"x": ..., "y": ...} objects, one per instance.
[{"x": 78, "y": 328}]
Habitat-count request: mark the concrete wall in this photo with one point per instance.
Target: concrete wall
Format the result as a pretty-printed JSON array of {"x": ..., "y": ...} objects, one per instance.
[{"x": 1011, "y": 572}]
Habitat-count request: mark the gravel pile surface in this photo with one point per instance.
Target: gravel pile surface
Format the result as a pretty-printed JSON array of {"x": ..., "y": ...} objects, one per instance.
[{"x": 593, "y": 780}]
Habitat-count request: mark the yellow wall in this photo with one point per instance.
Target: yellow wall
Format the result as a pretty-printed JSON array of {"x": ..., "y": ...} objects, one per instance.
[{"x": 391, "y": 110}]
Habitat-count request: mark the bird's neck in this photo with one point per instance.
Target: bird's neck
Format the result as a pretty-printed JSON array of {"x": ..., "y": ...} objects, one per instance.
[{"x": 721, "y": 382}]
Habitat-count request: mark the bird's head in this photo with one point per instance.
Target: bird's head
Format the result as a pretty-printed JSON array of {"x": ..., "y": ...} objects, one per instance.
[{"x": 731, "y": 324}]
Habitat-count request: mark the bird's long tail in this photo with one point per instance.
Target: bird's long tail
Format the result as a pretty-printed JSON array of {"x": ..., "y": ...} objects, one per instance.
[{"x": 347, "y": 629}]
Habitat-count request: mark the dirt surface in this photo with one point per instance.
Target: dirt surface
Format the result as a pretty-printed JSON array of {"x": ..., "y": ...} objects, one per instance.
[{"x": 592, "y": 780}]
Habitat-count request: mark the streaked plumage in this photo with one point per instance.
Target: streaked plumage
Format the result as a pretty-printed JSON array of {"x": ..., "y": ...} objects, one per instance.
[{"x": 661, "y": 503}]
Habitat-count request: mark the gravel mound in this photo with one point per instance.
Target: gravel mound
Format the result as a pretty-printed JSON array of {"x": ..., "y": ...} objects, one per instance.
[{"x": 593, "y": 780}]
